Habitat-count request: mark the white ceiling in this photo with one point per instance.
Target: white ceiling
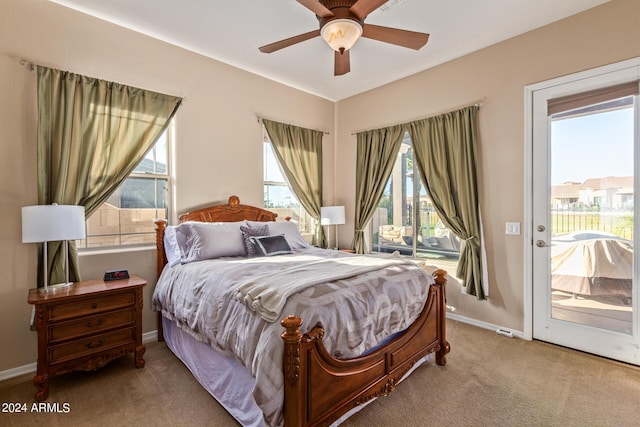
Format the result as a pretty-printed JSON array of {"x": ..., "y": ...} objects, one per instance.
[{"x": 231, "y": 32}]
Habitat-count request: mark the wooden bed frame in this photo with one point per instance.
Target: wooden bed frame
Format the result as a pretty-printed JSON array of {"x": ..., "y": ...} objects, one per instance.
[{"x": 319, "y": 388}]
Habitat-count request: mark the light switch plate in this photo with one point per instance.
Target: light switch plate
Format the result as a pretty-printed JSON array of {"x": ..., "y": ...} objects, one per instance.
[{"x": 512, "y": 228}]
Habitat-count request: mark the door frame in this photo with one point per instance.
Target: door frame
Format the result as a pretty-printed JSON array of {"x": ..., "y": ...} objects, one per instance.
[{"x": 528, "y": 227}]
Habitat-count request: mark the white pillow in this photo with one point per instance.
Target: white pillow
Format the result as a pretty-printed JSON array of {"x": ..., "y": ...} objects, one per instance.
[
  {"x": 290, "y": 231},
  {"x": 171, "y": 248},
  {"x": 213, "y": 240},
  {"x": 183, "y": 231}
]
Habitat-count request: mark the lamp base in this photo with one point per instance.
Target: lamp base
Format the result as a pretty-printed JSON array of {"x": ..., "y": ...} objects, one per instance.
[{"x": 55, "y": 288}]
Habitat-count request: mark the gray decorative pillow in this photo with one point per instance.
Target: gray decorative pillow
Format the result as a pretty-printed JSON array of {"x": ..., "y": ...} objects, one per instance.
[
  {"x": 272, "y": 245},
  {"x": 248, "y": 232},
  {"x": 208, "y": 240}
]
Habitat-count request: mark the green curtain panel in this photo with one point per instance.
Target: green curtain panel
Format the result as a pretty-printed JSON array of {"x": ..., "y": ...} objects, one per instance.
[
  {"x": 445, "y": 152},
  {"x": 299, "y": 152},
  {"x": 91, "y": 135},
  {"x": 376, "y": 152}
]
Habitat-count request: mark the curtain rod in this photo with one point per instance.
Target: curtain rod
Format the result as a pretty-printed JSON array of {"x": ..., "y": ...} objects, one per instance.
[
  {"x": 31, "y": 66},
  {"x": 477, "y": 104},
  {"x": 324, "y": 132}
]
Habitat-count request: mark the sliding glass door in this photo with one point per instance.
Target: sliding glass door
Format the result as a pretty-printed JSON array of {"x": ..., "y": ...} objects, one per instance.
[{"x": 405, "y": 220}]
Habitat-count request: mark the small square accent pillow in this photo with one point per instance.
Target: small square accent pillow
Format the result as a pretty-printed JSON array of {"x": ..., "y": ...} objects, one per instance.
[
  {"x": 272, "y": 245},
  {"x": 290, "y": 231},
  {"x": 256, "y": 231}
]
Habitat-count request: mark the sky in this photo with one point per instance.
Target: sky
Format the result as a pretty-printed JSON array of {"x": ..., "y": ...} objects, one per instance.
[
  {"x": 275, "y": 196},
  {"x": 592, "y": 146}
]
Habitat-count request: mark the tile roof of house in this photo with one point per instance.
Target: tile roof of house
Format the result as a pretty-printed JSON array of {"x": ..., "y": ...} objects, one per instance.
[
  {"x": 568, "y": 189},
  {"x": 607, "y": 183}
]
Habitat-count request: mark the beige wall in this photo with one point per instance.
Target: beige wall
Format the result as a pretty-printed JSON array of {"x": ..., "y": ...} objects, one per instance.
[
  {"x": 494, "y": 77},
  {"x": 218, "y": 137},
  {"x": 219, "y": 150}
]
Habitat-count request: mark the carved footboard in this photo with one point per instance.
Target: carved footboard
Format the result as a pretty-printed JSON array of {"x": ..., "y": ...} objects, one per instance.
[{"x": 319, "y": 388}]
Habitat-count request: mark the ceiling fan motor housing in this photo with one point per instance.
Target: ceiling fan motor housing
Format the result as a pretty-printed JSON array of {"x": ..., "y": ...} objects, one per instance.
[{"x": 340, "y": 10}]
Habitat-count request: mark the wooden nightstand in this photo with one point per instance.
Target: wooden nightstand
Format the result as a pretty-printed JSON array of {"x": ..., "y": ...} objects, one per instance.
[{"x": 86, "y": 326}]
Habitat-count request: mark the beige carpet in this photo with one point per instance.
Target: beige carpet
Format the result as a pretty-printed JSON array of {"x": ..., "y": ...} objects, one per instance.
[{"x": 489, "y": 380}]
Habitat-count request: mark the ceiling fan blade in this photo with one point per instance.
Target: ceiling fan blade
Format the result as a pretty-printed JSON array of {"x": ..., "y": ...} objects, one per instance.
[
  {"x": 404, "y": 38},
  {"x": 364, "y": 7},
  {"x": 289, "y": 42},
  {"x": 316, "y": 7},
  {"x": 342, "y": 64}
]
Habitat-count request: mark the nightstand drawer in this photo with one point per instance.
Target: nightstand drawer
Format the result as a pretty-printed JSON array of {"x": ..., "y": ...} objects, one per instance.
[
  {"x": 91, "y": 325},
  {"x": 90, "y": 306},
  {"x": 91, "y": 345}
]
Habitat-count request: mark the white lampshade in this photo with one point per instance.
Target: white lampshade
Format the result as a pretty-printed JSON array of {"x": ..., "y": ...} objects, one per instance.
[
  {"x": 49, "y": 223},
  {"x": 341, "y": 34},
  {"x": 332, "y": 215}
]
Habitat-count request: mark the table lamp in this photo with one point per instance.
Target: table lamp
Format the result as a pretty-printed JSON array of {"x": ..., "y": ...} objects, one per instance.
[
  {"x": 332, "y": 215},
  {"x": 49, "y": 223}
]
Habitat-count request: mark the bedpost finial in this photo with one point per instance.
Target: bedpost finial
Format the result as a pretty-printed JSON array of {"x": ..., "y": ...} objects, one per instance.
[
  {"x": 291, "y": 324},
  {"x": 440, "y": 276},
  {"x": 234, "y": 201}
]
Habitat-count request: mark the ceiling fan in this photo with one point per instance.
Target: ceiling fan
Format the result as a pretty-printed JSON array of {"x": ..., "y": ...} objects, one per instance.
[{"x": 342, "y": 24}]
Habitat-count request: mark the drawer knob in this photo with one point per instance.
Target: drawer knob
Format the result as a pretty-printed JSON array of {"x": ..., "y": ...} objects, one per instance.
[
  {"x": 95, "y": 344},
  {"x": 93, "y": 324},
  {"x": 94, "y": 305}
]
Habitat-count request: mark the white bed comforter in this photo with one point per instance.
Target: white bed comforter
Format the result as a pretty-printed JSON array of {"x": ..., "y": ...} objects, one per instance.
[{"x": 358, "y": 312}]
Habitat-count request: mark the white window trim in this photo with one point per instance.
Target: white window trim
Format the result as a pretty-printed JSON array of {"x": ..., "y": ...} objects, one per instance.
[{"x": 172, "y": 216}]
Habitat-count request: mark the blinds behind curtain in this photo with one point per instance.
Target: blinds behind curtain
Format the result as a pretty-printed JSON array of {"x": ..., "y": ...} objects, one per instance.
[
  {"x": 584, "y": 99},
  {"x": 91, "y": 135}
]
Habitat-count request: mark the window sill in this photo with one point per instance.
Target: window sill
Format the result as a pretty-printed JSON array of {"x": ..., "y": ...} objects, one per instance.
[
  {"x": 114, "y": 250},
  {"x": 449, "y": 265}
]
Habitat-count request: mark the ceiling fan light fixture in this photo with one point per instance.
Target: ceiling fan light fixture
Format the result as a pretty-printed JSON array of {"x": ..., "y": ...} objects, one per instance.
[{"x": 341, "y": 34}]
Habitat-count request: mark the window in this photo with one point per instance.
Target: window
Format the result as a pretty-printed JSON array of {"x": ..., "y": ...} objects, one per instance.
[
  {"x": 127, "y": 217},
  {"x": 278, "y": 196},
  {"x": 405, "y": 210}
]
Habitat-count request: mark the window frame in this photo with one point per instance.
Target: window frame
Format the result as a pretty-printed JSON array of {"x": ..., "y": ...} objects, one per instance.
[
  {"x": 169, "y": 177},
  {"x": 307, "y": 223}
]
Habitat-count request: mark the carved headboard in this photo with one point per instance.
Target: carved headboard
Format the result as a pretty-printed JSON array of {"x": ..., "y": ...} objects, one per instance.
[{"x": 232, "y": 211}]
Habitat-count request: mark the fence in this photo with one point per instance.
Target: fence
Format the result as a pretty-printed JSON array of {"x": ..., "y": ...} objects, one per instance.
[{"x": 617, "y": 222}]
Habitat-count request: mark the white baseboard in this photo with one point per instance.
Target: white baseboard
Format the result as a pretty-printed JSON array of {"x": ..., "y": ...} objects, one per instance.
[
  {"x": 16, "y": 372},
  {"x": 31, "y": 367},
  {"x": 150, "y": 336},
  {"x": 483, "y": 325}
]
